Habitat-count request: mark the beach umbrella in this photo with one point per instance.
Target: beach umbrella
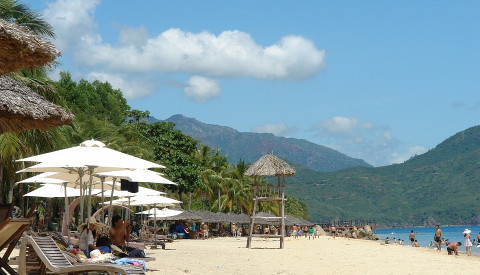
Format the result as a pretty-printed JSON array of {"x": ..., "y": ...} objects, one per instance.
[
  {"x": 165, "y": 212},
  {"x": 23, "y": 49},
  {"x": 154, "y": 201},
  {"x": 137, "y": 175},
  {"x": 53, "y": 191},
  {"x": 88, "y": 158},
  {"x": 22, "y": 109},
  {"x": 148, "y": 211}
]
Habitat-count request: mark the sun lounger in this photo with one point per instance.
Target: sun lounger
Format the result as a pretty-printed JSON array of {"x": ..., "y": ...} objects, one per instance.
[
  {"x": 39, "y": 254},
  {"x": 10, "y": 231}
]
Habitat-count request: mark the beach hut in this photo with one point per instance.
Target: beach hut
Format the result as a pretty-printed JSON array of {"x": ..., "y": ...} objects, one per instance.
[
  {"x": 22, "y": 109},
  {"x": 23, "y": 49},
  {"x": 269, "y": 165}
]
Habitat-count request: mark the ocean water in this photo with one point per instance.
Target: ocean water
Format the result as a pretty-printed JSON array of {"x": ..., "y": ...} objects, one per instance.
[{"x": 425, "y": 234}]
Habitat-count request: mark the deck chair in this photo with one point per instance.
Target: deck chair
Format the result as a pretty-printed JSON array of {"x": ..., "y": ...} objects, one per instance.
[
  {"x": 39, "y": 254},
  {"x": 10, "y": 232}
]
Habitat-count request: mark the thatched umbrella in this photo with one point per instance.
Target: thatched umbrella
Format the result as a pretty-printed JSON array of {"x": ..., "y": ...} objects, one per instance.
[
  {"x": 269, "y": 165},
  {"x": 22, "y": 109},
  {"x": 23, "y": 49}
]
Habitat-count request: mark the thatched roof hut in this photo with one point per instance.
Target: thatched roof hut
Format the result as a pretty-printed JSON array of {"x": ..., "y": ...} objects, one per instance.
[
  {"x": 22, "y": 109},
  {"x": 270, "y": 165},
  {"x": 23, "y": 49}
]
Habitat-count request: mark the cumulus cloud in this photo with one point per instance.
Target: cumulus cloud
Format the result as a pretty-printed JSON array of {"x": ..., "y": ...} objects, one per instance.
[
  {"x": 278, "y": 129},
  {"x": 201, "y": 89},
  {"x": 341, "y": 125},
  {"x": 133, "y": 88},
  {"x": 412, "y": 151},
  {"x": 231, "y": 53},
  {"x": 365, "y": 140}
]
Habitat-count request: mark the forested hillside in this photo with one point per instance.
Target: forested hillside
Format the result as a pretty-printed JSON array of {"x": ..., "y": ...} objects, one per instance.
[{"x": 439, "y": 186}]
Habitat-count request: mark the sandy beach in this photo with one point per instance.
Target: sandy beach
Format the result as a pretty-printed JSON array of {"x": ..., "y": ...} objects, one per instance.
[
  {"x": 323, "y": 255},
  {"x": 301, "y": 256}
]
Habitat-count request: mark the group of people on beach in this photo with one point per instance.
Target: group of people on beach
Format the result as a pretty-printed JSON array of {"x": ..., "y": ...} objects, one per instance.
[
  {"x": 310, "y": 232},
  {"x": 438, "y": 240}
]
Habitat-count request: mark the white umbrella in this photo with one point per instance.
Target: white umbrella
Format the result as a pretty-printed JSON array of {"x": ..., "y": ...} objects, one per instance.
[
  {"x": 91, "y": 156},
  {"x": 154, "y": 201},
  {"x": 53, "y": 191},
  {"x": 137, "y": 175},
  {"x": 165, "y": 212},
  {"x": 148, "y": 211}
]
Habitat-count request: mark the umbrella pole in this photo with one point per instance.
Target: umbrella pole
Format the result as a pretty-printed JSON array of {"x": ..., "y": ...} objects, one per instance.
[
  {"x": 155, "y": 225},
  {"x": 141, "y": 223},
  {"x": 102, "y": 179},
  {"x": 110, "y": 209},
  {"x": 82, "y": 203},
  {"x": 67, "y": 215},
  {"x": 128, "y": 210},
  {"x": 89, "y": 212}
]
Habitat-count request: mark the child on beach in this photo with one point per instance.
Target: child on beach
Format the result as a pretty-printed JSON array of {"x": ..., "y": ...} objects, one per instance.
[{"x": 468, "y": 242}]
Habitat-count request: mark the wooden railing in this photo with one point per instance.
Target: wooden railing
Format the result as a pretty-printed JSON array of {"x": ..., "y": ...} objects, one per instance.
[{"x": 268, "y": 191}]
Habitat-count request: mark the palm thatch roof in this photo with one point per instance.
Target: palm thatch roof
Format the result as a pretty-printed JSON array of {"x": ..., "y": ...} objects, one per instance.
[
  {"x": 22, "y": 109},
  {"x": 270, "y": 165},
  {"x": 22, "y": 49}
]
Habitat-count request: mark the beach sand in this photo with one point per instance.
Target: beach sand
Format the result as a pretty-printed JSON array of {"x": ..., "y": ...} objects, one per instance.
[{"x": 323, "y": 255}]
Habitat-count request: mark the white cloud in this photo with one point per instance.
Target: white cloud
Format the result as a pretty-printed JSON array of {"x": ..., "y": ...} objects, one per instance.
[
  {"x": 231, "y": 53},
  {"x": 278, "y": 129},
  {"x": 341, "y": 124},
  {"x": 412, "y": 151},
  {"x": 201, "y": 89},
  {"x": 133, "y": 88}
]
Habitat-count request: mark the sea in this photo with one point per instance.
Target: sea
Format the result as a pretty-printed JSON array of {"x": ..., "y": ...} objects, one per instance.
[{"x": 424, "y": 235}]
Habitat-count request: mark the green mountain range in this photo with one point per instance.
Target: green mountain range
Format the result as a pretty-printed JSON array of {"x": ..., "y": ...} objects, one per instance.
[
  {"x": 440, "y": 186},
  {"x": 251, "y": 146}
]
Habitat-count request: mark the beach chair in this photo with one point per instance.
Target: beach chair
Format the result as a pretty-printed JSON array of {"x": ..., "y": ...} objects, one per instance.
[
  {"x": 10, "y": 232},
  {"x": 39, "y": 254}
]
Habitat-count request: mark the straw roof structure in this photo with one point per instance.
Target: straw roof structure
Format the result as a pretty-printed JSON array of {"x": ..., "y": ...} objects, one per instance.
[
  {"x": 270, "y": 165},
  {"x": 23, "y": 49},
  {"x": 22, "y": 109}
]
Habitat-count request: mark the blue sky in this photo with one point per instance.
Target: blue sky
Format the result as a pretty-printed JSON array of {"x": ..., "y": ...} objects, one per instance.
[{"x": 377, "y": 80}]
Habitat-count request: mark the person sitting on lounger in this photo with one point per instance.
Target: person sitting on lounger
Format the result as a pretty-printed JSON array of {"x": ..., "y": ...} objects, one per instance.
[
  {"x": 86, "y": 241},
  {"x": 120, "y": 234}
]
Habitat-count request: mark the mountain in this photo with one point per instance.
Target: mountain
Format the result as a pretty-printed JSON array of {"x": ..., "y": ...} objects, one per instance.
[
  {"x": 251, "y": 146},
  {"x": 440, "y": 186}
]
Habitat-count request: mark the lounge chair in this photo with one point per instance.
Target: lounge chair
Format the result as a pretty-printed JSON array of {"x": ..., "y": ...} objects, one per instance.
[
  {"x": 39, "y": 254},
  {"x": 10, "y": 231}
]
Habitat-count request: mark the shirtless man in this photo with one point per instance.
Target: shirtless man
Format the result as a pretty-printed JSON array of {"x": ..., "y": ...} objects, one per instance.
[
  {"x": 204, "y": 231},
  {"x": 333, "y": 230},
  {"x": 120, "y": 234},
  {"x": 412, "y": 237},
  {"x": 438, "y": 237},
  {"x": 453, "y": 248}
]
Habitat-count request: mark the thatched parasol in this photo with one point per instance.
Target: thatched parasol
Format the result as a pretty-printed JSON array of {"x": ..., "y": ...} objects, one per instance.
[
  {"x": 270, "y": 165},
  {"x": 22, "y": 49},
  {"x": 22, "y": 109}
]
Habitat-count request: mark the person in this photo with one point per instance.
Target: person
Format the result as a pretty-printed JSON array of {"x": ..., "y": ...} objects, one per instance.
[
  {"x": 239, "y": 231},
  {"x": 233, "y": 228},
  {"x": 438, "y": 237},
  {"x": 478, "y": 238},
  {"x": 86, "y": 241},
  {"x": 333, "y": 230},
  {"x": 387, "y": 241},
  {"x": 305, "y": 231},
  {"x": 468, "y": 241},
  {"x": 412, "y": 237},
  {"x": 310, "y": 233},
  {"x": 415, "y": 244},
  {"x": 453, "y": 248},
  {"x": 120, "y": 234},
  {"x": 204, "y": 231},
  {"x": 294, "y": 231},
  {"x": 394, "y": 240}
]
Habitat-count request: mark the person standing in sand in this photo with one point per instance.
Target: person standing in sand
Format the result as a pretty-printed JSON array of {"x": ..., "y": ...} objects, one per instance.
[
  {"x": 468, "y": 242},
  {"x": 333, "y": 230},
  {"x": 412, "y": 237},
  {"x": 438, "y": 238}
]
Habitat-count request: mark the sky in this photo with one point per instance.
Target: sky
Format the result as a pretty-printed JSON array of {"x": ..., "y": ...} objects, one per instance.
[{"x": 377, "y": 80}]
